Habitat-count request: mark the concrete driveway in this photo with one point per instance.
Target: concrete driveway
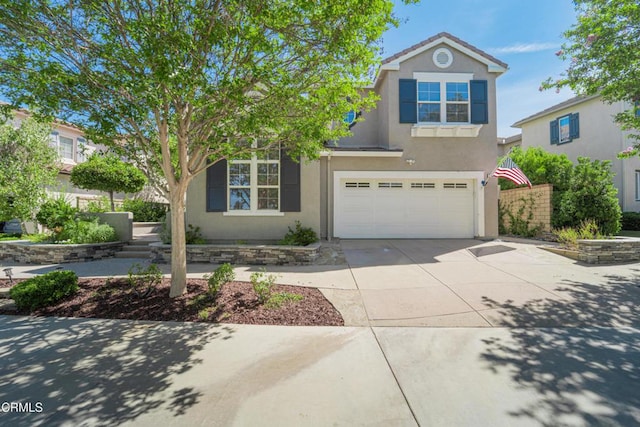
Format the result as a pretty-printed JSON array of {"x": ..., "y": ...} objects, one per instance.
[{"x": 469, "y": 283}]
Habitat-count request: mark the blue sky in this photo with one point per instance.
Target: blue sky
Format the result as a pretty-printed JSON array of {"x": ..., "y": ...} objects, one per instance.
[{"x": 523, "y": 33}]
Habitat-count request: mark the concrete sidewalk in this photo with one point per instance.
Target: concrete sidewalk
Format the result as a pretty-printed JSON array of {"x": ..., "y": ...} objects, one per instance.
[
  {"x": 444, "y": 283},
  {"x": 90, "y": 372}
]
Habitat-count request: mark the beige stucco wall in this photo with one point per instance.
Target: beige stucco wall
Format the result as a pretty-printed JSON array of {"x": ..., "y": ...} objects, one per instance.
[
  {"x": 430, "y": 153},
  {"x": 600, "y": 138},
  {"x": 224, "y": 226}
]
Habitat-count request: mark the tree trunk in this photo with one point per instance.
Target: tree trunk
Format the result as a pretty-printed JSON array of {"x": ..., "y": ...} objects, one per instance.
[
  {"x": 113, "y": 205},
  {"x": 178, "y": 242}
]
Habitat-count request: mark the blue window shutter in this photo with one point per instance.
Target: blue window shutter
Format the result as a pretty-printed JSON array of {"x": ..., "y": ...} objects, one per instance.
[
  {"x": 217, "y": 187},
  {"x": 479, "y": 101},
  {"x": 574, "y": 126},
  {"x": 408, "y": 91},
  {"x": 289, "y": 183},
  {"x": 554, "y": 132}
]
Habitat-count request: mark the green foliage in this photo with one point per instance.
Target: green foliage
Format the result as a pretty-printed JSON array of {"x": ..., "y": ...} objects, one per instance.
[
  {"x": 106, "y": 172},
  {"x": 143, "y": 280},
  {"x": 27, "y": 165},
  {"x": 519, "y": 223},
  {"x": 86, "y": 230},
  {"x": 55, "y": 213},
  {"x": 301, "y": 236},
  {"x": 263, "y": 285},
  {"x": 44, "y": 290},
  {"x": 165, "y": 82},
  {"x": 569, "y": 236},
  {"x": 631, "y": 221},
  {"x": 99, "y": 205},
  {"x": 193, "y": 236},
  {"x": 280, "y": 298},
  {"x": 603, "y": 53},
  {"x": 591, "y": 196},
  {"x": 541, "y": 167},
  {"x": 223, "y": 274},
  {"x": 144, "y": 210}
]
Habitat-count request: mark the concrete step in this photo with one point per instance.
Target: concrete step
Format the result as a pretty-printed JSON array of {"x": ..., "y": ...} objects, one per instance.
[
  {"x": 133, "y": 254},
  {"x": 4, "y": 292},
  {"x": 7, "y": 305}
]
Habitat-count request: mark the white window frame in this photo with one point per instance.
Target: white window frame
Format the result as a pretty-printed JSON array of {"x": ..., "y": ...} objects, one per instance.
[
  {"x": 254, "y": 187},
  {"x": 442, "y": 79},
  {"x": 637, "y": 185},
  {"x": 567, "y": 126}
]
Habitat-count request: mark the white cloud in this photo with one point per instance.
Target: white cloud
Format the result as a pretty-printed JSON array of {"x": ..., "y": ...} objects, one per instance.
[{"x": 524, "y": 48}]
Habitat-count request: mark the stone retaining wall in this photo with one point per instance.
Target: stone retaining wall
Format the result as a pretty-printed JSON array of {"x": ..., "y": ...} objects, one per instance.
[
  {"x": 35, "y": 253},
  {"x": 241, "y": 254},
  {"x": 609, "y": 251}
]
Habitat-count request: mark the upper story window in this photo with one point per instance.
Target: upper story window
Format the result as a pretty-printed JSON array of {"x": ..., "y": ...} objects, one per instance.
[
  {"x": 444, "y": 104},
  {"x": 564, "y": 129},
  {"x": 70, "y": 149},
  {"x": 65, "y": 147},
  {"x": 254, "y": 184}
]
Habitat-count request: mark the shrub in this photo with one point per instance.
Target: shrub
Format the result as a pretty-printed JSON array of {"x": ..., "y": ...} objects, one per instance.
[
  {"x": 144, "y": 211},
  {"x": 86, "y": 230},
  {"x": 301, "y": 236},
  {"x": 193, "y": 236},
  {"x": 55, "y": 213},
  {"x": 143, "y": 280},
  {"x": 569, "y": 236},
  {"x": 280, "y": 298},
  {"x": 41, "y": 291},
  {"x": 263, "y": 285},
  {"x": 223, "y": 274},
  {"x": 591, "y": 196},
  {"x": 631, "y": 221},
  {"x": 98, "y": 205}
]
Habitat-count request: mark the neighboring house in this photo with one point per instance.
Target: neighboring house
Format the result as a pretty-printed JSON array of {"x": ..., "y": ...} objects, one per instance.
[
  {"x": 505, "y": 145},
  {"x": 584, "y": 126},
  {"x": 73, "y": 148},
  {"x": 413, "y": 168}
]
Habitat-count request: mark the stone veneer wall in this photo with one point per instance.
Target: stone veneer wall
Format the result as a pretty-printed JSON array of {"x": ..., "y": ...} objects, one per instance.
[
  {"x": 34, "y": 253},
  {"x": 513, "y": 199},
  {"x": 241, "y": 254},
  {"x": 609, "y": 251}
]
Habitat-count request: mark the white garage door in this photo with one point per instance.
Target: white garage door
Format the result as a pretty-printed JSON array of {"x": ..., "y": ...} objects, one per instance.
[{"x": 405, "y": 208}]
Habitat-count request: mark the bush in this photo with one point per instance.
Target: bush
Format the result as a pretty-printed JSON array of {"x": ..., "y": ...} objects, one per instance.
[
  {"x": 144, "y": 211},
  {"x": 301, "y": 236},
  {"x": 223, "y": 274},
  {"x": 55, "y": 213},
  {"x": 143, "y": 280},
  {"x": 569, "y": 236},
  {"x": 631, "y": 221},
  {"x": 591, "y": 196},
  {"x": 262, "y": 286},
  {"x": 98, "y": 205},
  {"x": 44, "y": 290},
  {"x": 86, "y": 230}
]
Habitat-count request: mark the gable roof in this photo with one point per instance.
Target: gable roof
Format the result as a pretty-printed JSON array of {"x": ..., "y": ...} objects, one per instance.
[
  {"x": 565, "y": 104},
  {"x": 392, "y": 63}
]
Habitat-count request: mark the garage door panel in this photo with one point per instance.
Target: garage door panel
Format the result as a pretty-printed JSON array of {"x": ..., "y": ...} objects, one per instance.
[{"x": 387, "y": 208}]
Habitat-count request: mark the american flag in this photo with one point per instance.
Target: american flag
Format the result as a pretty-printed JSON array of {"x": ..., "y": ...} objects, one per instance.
[{"x": 509, "y": 170}]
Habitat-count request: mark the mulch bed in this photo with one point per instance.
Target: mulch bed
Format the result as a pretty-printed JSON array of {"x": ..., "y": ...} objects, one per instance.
[{"x": 236, "y": 303}]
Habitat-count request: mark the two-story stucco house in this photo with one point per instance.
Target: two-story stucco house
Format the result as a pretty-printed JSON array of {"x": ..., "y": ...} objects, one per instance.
[
  {"x": 413, "y": 168},
  {"x": 584, "y": 126}
]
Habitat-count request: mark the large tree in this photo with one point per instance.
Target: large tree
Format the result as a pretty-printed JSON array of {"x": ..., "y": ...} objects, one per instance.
[
  {"x": 603, "y": 52},
  {"x": 107, "y": 172},
  {"x": 27, "y": 165},
  {"x": 185, "y": 83}
]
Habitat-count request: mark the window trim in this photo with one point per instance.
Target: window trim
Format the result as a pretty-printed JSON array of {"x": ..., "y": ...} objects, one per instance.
[
  {"x": 637, "y": 186},
  {"x": 442, "y": 79},
  {"x": 254, "y": 187}
]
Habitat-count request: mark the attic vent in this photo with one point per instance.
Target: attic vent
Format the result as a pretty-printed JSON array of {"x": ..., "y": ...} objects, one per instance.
[
  {"x": 423, "y": 185},
  {"x": 356, "y": 184},
  {"x": 456, "y": 185},
  {"x": 442, "y": 57}
]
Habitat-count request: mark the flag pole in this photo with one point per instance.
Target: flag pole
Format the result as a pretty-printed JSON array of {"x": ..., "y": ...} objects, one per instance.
[{"x": 485, "y": 181}]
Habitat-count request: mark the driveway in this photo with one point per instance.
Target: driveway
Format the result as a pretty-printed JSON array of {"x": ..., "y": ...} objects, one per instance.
[{"x": 469, "y": 283}]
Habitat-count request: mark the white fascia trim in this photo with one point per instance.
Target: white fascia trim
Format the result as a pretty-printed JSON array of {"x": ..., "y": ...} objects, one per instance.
[
  {"x": 361, "y": 153},
  {"x": 442, "y": 77},
  {"x": 477, "y": 176},
  {"x": 492, "y": 67}
]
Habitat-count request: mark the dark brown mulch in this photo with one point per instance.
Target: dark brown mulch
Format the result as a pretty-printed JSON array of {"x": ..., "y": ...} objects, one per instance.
[{"x": 236, "y": 303}]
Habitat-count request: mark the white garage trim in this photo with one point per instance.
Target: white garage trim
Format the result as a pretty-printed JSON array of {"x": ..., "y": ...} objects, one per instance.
[{"x": 475, "y": 177}]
